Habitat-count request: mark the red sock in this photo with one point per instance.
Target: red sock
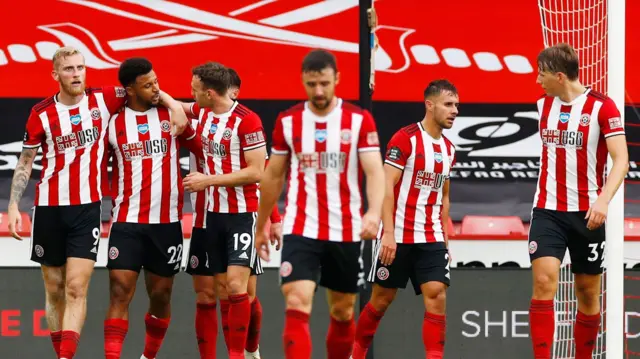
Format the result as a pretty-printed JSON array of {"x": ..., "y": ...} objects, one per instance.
[
  {"x": 255, "y": 323},
  {"x": 207, "y": 330},
  {"x": 115, "y": 330},
  {"x": 69, "y": 344},
  {"x": 585, "y": 333},
  {"x": 434, "y": 327},
  {"x": 239, "y": 316},
  {"x": 297, "y": 338},
  {"x": 56, "y": 337},
  {"x": 340, "y": 338},
  {"x": 224, "y": 318},
  {"x": 156, "y": 329},
  {"x": 542, "y": 324},
  {"x": 366, "y": 329}
]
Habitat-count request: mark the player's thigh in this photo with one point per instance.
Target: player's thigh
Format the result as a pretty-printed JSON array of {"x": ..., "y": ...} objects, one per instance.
[
  {"x": 216, "y": 240},
  {"x": 122, "y": 284},
  {"x": 300, "y": 259},
  {"x": 199, "y": 261},
  {"x": 586, "y": 247},
  {"x": 83, "y": 223},
  {"x": 548, "y": 234},
  {"x": 163, "y": 249},
  {"x": 430, "y": 267},
  {"x": 342, "y": 268},
  {"x": 48, "y": 237},
  {"x": 126, "y": 247},
  {"x": 392, "y": 276},
  {"x": 240, "y": 236}
]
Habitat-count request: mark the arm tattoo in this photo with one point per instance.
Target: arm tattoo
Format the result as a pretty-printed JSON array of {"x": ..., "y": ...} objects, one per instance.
[{"x": 22, "y": 174}]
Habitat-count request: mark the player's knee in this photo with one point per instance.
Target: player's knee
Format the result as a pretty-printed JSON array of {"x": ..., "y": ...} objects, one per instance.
[
  {"x": 75, "y": 290},
  {"x": 236, "y": 286},
  {"x": 121, "y": 292},
  {"x": 588, "y": 296},
  {"x": 382, "y": 301},
  {"x": 544, "y": 285},
  {"x": 206, "y": 296},
  {"x": 298, "y": 301},
  {"x": 436, "y": 300},
  {"x": 55, "y": 290},
  {"x": 160, "y": 296},
  {"x": 341, "y": 311}
]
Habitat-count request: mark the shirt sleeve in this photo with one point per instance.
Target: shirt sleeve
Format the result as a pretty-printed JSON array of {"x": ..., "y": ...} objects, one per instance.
[
  {"x": 368, "y": 137},
  {"x": 279, "y": 145},
  {"x": 195, "y": 110},
  {"x": 34, "y": 134},
  {"x": 609, "y": 119},
  {"x": 251, "y": 133},
  {"x": 398, "y": 150},
  {"x": 115, "y": 97}
]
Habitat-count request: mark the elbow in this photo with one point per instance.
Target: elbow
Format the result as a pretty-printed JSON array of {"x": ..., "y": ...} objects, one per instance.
[{"x": 256, "y": 175}]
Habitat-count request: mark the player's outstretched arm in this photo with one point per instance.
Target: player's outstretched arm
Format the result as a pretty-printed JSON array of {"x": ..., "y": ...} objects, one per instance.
[
  {"x": 617, "y": 147},
  {"x": 270, "y": 190},
  {"x": 371, "y": 163},
  {"x": 19, "y": 183}
]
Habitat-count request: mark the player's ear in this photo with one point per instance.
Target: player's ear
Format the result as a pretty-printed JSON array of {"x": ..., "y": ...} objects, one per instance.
[
  {"x": 55, "y": 75},
  {"x": 130, "y": 90},
  {"x": 428, "y": 104},
  {"x": 337, "y": 77}
]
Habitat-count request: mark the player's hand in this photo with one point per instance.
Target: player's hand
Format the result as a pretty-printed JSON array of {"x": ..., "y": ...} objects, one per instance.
[
  {"x": 275, "y": 234},
  {"x": 14, "y": 221},
  {"x": 262, "y": 245},
  {"x": 370, "y": 223},
  {"x": 597, "y": 213},
  {"x": 388, "y": 248},
  {"x": 196, "y": 182}
]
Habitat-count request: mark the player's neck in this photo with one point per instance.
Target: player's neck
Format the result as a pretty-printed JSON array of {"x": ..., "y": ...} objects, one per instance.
[
  {"x": 432, "y": 128},
  {"x": 137, "y": 106},
  {"x": 223, "y": 106},
  {"x": 572, "y": 91},
  {"x": 68, "y": 99},
  {"x": 325, "y": 111}
]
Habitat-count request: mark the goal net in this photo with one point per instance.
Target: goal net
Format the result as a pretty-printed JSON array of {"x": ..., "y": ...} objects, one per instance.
[{"x": 585, "y": 25}]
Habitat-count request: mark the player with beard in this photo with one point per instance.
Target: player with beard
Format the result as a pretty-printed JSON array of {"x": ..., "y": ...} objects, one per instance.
[
  {"x": 70, "y": 127},
  {"x": 324, "y": 145},
  {"x": 147, "y": 207},
  {"x": 414, "y": 242}
]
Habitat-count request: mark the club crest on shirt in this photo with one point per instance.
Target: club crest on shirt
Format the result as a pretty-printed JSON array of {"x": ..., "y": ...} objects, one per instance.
[
  {"x": 321, "y": 135},
  {"x": 438, "y": 157},
  {"x": 227, "y": 133},
  {"x": 95, "y": 114},
  {"x": 585, "y": 119},
  {"x": 165, "y": 126},
  {"x": 345, "y": 136},
  {"x": 564, "y": 117},
  {"x": 143, "y": 128},
  {"x": 75, "y": 119},
  {"x": 213, "y": 128}
]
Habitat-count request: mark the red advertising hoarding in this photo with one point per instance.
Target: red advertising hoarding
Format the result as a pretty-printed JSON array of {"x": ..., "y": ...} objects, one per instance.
[{"x": 487, "y": 48}]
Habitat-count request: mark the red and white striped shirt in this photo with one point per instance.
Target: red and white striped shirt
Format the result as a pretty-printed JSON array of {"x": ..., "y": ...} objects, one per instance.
[
  {"x": 146, "y": 176},
  {"x": 324, "y": 199},
  {"x": 574, "y": 150},
  {"x": 225, "y": 139},
  {"x": 73, "y": 146},
  {"x": 425, "y": 163},
  {"x": 198, "y": 199}
]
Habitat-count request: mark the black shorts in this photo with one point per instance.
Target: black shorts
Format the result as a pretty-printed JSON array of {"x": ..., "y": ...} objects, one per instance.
[
  {"x": 199, "y": 256},
  {"x": 61, "y": 232},
  {"x": 337, "y": 266},
  {"x": 230, "y": 239},
  {"x": 552, "y": 232},
  {"x": 420, "y": 262},
  {"x": 157, "y": 247}
]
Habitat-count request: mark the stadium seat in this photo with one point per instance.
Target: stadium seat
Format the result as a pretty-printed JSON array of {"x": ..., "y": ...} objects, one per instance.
[
  {"x": 26, "y": 222},
  {"x": 490, "y": 225},
  {"x": 632, "y": 227},
  {"x": 451, "y": 229}
]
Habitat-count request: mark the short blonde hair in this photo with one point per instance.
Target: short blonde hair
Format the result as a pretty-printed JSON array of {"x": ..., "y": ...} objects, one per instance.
[
  {"x": 560, "y": 58},
  {"x": 64, "y": 52}
]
